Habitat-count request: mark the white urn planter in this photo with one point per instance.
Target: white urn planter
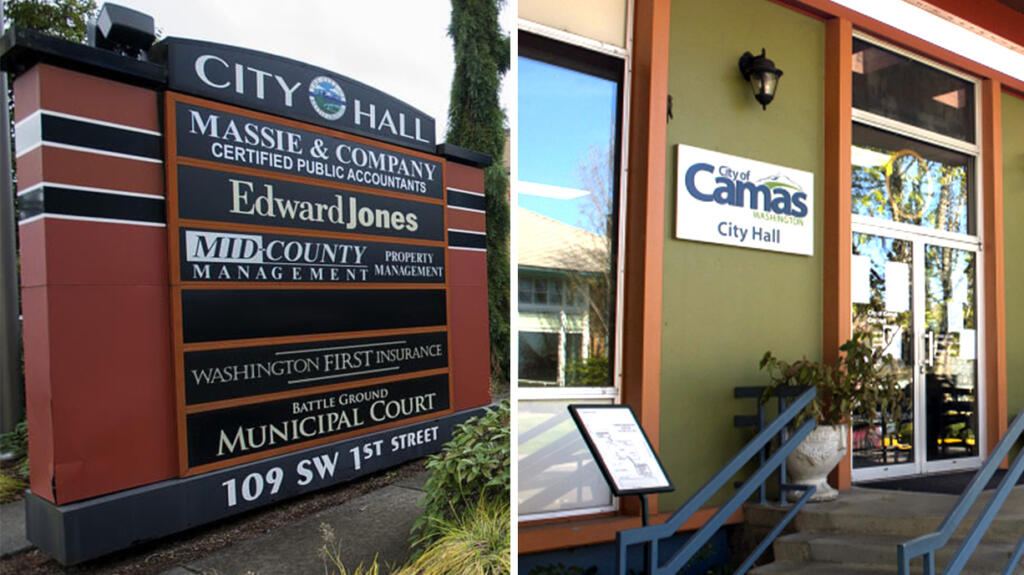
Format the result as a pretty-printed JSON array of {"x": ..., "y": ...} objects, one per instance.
[{"x": 815, "y": 457}]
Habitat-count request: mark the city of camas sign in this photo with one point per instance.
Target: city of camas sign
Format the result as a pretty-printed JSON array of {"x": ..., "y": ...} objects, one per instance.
[{"x": 310, "y": 265}]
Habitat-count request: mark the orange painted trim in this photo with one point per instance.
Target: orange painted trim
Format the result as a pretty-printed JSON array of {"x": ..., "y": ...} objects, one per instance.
[
  {"x": 997, "y": 18},
  {"x": 645, "y": 222},
  {"x": 903, "y": 39},
  {"x": 303, "y": 232},
  {"x": 315, "y": 390},
  {"x": 308, "y": 338},
  {"x": 994, "y": 254},
  {"x": 537, "y": 538},
  {"x": 802, "y": 9},
  {"x": 225, "y": 463},
  {"x": 836, "y": 312},
  {"x": 307, "y": 180}
]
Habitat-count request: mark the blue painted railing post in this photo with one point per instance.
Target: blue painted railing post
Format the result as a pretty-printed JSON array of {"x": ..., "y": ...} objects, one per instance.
[
  {"x": 783, "y": 436},
  {"x": 926, "y": 545},
  {"x": 762, "y": 418},
  {"x": 755, "y": 448}
]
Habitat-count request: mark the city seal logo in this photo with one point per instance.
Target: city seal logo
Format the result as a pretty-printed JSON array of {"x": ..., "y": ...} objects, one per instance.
[{"x": 327, "y": 97}]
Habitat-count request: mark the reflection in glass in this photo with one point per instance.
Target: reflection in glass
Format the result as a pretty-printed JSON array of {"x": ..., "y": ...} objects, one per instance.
[
  {"x": 556, "y": 470},
  {"x": 882, "y": 298},
  {"x": 566, "y": 230},
  {"x": 538, "y": 357},
  {"x": 894, "y": 86},
  {"x": 904, "y": 180},
  {"x": 950, "y": 353}
]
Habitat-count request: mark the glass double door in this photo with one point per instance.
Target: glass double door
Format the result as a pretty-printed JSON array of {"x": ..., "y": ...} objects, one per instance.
[{"x": 917, "y": 295}]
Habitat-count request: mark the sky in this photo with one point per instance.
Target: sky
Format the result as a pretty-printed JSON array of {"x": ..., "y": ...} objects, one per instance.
[
  {"x": 400, "y": 47},
  {"x": 566, "y": 120}
]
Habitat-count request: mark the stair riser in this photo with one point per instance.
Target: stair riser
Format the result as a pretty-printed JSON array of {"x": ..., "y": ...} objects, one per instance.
[
  {"x": 854, "y": 569},
  {"x": 986, "y": 559},
  {"x": 1002, "y": 530}
]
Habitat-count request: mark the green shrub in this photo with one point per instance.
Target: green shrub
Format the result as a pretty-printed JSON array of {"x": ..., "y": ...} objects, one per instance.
[
  {"x": 10, "y": 488},
  {"x": 16, "y": 440},
  {"x": 21, "y": 470},
  {"x": 476, "y": 542},
  {"x": 472, "y": 467},
  {"x": 591, "y": 372}
]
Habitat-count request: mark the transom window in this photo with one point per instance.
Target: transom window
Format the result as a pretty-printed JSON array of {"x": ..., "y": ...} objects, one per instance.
[{"x": 894, "y": 86}]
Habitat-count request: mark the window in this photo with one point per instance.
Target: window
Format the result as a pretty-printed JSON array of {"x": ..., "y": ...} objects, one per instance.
[
  {"x": 569, "y": 133},
  {"x": 905, "y": 180},
  {"x": 891, "y": 85},
  {"x": 538, "y": 357}
]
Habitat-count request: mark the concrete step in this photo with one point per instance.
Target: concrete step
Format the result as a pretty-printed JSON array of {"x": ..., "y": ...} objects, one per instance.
[
  {"x": 881, "y": 551},
  {"x": 899, "y": 515},
  {"x": 801, "y": 568},
  {"x": 825, "y": 568}
]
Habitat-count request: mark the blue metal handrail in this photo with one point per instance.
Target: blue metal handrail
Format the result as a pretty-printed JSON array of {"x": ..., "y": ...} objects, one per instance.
[
  {"x": 650, "y": 535},
  {"x": 926, "y": 545}
]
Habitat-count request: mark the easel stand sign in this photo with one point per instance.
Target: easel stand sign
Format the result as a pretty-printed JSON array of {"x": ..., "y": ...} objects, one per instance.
[{"x": 622, "y": 451}]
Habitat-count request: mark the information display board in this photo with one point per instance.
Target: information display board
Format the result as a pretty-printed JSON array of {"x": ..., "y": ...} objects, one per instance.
[
  {"x": 309, "y": 280},
  {"x": 621, "y": 449}
]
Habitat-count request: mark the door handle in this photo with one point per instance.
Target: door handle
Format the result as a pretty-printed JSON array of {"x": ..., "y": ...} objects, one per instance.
[{"x": 929, "y": 349}]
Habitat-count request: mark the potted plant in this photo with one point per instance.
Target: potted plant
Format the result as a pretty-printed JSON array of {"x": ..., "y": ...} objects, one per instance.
[{"x": 862, "y": 384}]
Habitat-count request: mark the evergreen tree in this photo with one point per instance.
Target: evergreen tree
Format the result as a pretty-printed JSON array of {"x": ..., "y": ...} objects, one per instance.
[
  {"x": 66, "y": 19},
  {"x": 477, "y": 121},
  {"x": 63, "y": 18}
]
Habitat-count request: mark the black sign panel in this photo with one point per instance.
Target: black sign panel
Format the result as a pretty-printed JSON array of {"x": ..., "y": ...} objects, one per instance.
[
  {"x": 215, "y": 315},
  {"x": 233, "y": 432},
  {"x": 244, "y": 141},
  {"x": 219, "y": 374},
  {"x": 216, "y": 196},
  {"x": 332, "y": 226},
  {"x": 81, "y": 532},
  {"x": 294, "y": 90},
  {"x": 218, "y": 256}
]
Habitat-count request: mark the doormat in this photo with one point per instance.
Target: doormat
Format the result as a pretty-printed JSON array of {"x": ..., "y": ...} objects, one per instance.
[{"x": 949, "y": 483}]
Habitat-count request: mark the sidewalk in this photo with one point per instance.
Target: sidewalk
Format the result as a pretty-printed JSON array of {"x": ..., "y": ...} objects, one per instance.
[
  {"x": 377, "y": 523},
  {"x": 374, "y": 524},
  {"x": 12, "y": 529}
]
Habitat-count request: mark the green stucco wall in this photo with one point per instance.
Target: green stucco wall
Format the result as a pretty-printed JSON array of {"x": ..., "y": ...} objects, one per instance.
[
  {"x": 1013, "y": 238},
  {"x": 725, "y": 306}
]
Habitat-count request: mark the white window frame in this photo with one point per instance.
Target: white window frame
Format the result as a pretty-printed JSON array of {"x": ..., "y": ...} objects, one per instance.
[{"x": 583, "y": 394}]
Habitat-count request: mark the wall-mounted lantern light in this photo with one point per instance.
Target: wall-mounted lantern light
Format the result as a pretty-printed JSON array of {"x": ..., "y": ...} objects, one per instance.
[{"x": 762, "y": 75}]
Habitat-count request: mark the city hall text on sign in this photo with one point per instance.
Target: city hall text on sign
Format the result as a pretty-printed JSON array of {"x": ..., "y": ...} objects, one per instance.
[
  {"x": 295, "y": 90},
  {"x": 725, "y": 199}
]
